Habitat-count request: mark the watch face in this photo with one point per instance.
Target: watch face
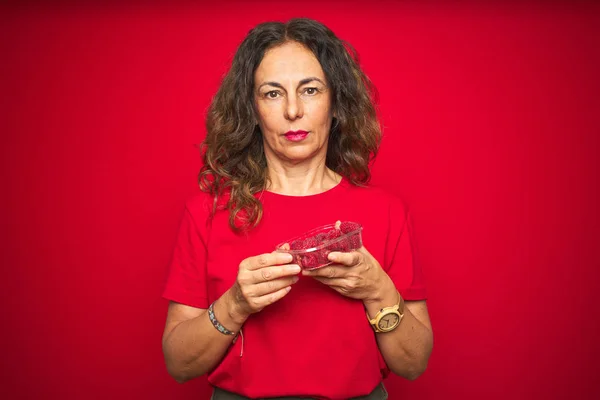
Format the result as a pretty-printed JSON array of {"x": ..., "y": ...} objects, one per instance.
[{"x": 388, "y": 322}]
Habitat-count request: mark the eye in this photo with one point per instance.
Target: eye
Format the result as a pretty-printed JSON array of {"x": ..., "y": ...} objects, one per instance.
[
  {"x": 311, "y": 91},
  {"x": 273, "y": 94}
]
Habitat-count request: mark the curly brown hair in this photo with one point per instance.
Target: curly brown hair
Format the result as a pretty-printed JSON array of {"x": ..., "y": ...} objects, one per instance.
[{"x": 233, "y": 156}]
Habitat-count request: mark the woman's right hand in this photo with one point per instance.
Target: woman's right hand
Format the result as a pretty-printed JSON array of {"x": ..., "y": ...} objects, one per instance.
[{"x": 263, "y": 280}]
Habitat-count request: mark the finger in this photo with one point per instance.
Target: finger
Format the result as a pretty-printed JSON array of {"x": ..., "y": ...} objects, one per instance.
[
  {"x": 347, "y": 259},
  {"x": 364, "y": 251},
  {"x": 270, "y": 273},
  {"x": 339, "y": 285},
  {"x": 285, "y": 246},
  {"x": 263, "y": 301},
  {"x": 264, "y": 288},
  {"x": 331, "y": 271},
  {"x": 267, "y": 260}
]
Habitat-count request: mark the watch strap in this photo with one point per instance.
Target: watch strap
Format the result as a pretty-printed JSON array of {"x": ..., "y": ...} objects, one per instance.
[{"x": 396, "y": 308}]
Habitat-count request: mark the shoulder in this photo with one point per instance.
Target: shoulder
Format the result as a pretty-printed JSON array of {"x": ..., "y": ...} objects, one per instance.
[
  {"x": 199, "y": 204},
  {"x": 379, "y": 195},
  {"x": 200, "y": 212},
  {"x": 199, "y": 209}
]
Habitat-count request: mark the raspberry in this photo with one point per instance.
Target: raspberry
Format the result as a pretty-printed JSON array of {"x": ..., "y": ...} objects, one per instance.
[
  {"x": 310, "y": 243},
  {"x": 333, "y": 247},
  {"x": 344, "y": 246},
  {"x": 296, "y": 245},
  {"x": 346, "y": 227},
  {"x": 321, "y": 237},
  {"x": 310, "y": 261},
  {"x": 333, "y": 234},
  {"x": 355, "y": 242}
]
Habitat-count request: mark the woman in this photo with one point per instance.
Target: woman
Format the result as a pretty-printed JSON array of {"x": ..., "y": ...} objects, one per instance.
[{"x": 290, "y": 134}]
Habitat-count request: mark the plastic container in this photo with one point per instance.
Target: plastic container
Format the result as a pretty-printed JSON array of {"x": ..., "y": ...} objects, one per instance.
[{"x": 311, "y": 249}]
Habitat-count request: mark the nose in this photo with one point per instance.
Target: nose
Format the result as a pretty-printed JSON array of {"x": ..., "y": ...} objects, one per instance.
[{"x": 294, "y": 108}]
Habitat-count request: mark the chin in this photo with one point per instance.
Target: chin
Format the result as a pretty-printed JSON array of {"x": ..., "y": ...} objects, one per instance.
[{"x": 301, "y": 153}]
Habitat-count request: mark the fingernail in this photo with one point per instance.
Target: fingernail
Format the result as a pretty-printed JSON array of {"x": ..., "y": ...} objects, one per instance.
[
  {"x": 294, "y": 268},
  {"x": 295, "y": 279}
]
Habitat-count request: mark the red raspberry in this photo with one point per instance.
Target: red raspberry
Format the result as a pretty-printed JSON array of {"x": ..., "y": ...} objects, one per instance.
[
  {"x": 296, "y": 245},
  {"x": 346, "y": 227},
  {"x": 355, "y": 242},
  {"x": 344, "y": 246},
  {"x": 310, "y": 243},
  {"x": 321, "y": 237},
  {"x": 310, "y": 261},
  {"x": 334, "y": 247},
  {"x": 333, "y": 234}
]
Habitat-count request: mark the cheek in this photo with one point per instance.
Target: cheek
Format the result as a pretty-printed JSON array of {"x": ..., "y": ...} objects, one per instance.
[
  {"x": 267, "y": 119},
  {"x": 325, "y": 121},
  {"x": 321, "y": 113}
]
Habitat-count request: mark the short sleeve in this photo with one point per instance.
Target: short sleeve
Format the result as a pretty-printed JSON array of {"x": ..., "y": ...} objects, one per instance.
[
  {"x": 186, "y": 280},
  {"x": 404, "y": 267}
]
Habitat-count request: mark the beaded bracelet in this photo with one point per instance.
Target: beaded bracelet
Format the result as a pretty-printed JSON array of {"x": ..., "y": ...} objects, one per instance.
[{"x": 216, "y": 324}]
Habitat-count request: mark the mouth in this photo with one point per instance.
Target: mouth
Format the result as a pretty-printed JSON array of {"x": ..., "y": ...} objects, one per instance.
[{"x": 296, "y": 136}]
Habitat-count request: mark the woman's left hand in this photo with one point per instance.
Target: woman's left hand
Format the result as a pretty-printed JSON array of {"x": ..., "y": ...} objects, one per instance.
[{"x": 356, "y": 274}]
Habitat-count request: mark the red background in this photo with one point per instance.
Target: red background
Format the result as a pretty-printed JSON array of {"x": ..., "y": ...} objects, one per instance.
[{"x": 491, "y": 134}]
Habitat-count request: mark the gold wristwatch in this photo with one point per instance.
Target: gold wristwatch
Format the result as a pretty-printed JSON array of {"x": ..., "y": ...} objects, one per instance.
[{"x": 388, "y": 318}]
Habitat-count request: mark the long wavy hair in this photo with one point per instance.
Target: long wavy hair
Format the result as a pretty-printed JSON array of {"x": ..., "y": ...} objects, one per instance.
[{"x": 234, "y": 163}]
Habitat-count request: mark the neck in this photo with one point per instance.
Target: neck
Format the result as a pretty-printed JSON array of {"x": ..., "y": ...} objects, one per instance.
[{"x": 303, "y": 179}]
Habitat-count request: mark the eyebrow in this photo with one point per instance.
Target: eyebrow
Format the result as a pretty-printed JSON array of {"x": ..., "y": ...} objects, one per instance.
[{"x": 302, "y": 82}]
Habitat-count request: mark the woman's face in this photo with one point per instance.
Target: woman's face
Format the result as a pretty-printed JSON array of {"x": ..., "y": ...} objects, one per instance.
[{"x": 293, "y": 103}]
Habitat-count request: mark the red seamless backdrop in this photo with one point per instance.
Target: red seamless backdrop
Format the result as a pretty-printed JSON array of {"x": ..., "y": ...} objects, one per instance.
[{"x": 491, "y": 126}]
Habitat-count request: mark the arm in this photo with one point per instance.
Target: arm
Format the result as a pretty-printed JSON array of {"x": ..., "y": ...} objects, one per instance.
[
  {"x": 358, "y": 275},
  {"x": 407, "y": 348},
  {"x": 191, "y": 344}
]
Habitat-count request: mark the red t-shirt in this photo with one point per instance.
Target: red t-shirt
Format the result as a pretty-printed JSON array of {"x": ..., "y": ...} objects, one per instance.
[{"x": 314, "y": 342}]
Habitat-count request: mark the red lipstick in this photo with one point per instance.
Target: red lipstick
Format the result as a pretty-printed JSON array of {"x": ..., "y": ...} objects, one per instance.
[{"x": 296, "y": 136}]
